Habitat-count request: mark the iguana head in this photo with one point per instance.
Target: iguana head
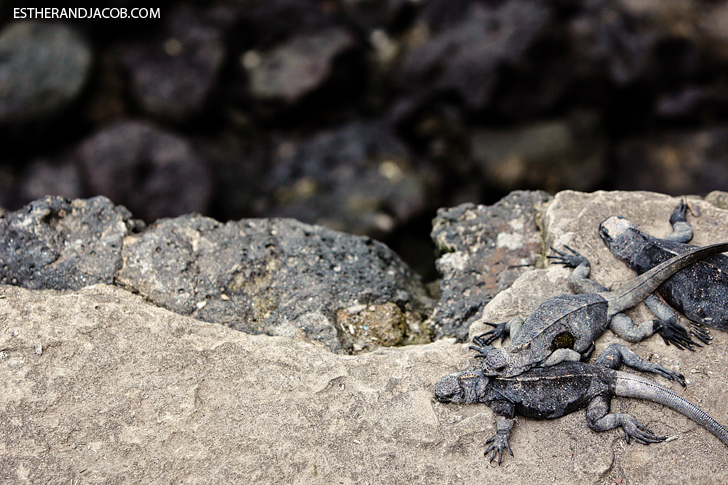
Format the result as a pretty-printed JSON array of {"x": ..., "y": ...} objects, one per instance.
[
  {"x": 505, "y": 363},
  {"x": 621, "y": 237},
  {"x": 462, "y": 387}
]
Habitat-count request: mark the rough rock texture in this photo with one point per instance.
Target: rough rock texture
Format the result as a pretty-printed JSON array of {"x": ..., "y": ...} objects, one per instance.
[
  {"x": 101, "y": 387},
  {"x": 485, "y": 248},
  {"x": 59, "y": 244},
  {"x": 274, "y": 276},
  {"x": 278, "y": 276}
]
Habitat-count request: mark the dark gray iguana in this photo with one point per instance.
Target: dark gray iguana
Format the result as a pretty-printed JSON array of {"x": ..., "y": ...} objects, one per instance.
[
  {"x": 700, "y": 291},
  {"x": 565, "y": 327},
  {"x": 552, "y": 392}
]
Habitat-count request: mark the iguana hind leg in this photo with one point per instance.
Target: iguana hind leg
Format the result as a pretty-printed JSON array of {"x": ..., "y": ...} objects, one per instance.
[
  {"x": 616, "y": 355},
  {"x": 682, "y": 231},
  {"x": 500, "y": 439},
  {"x": 599, "y": 419},
  {"x": 667, "y": 315},
  {"x": 671, "y": 333}
]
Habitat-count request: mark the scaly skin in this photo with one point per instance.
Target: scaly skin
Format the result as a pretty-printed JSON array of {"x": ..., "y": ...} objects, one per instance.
[
  {"x": 565, "y": 327},
  {"x": 699, "y": 291},
  {"x": 547, "y": 393}
]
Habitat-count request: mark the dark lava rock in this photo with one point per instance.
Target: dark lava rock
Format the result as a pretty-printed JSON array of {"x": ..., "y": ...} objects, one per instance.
[
  {"x": 469, "y": 45},
  {"x": 238, "y": 166},
  {"x": 693, "y": 103},
  {"x": 373, "y": 14},
  {"x": 60, "y": 244},
  {"x": 264, "y": 24},
  {"x": 173, "y": 75},
  {"x": 485, "y": 248},
  {"x": 43, "y": 68},
  {"x": 631, "y": 42},
  {"x": 296, "y": 67},
  {"x": 675, "y": 162},
  {"x": 359, "y": 179},
  {"x": 554, "y": 155},
  {"x": 152, "y": 172},
  {"x": 279, "y": 277}
]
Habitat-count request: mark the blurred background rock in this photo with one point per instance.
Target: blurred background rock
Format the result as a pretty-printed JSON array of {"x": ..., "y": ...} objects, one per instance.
[{"x": 362, "y": 115}]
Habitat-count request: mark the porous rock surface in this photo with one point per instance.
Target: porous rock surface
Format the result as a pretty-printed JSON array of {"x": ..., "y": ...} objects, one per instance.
[
  {"x": 483, "y": 250},
  {"x": 60, "y": 244},
  {"x": 101, "y": 386},
  {"x": 278, "y": 276},
  {"x": 273, "y": 276}
]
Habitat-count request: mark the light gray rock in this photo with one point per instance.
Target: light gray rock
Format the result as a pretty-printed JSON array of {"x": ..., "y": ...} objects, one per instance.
[{"x": 99, "y": 386}]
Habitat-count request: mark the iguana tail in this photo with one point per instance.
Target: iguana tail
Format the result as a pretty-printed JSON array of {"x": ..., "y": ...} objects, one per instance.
[
  {"x": 642, "y": 286},
  {"x": 632, "y": 385}
]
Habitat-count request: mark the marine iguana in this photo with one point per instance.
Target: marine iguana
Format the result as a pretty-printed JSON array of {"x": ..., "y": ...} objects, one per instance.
[
  {"x": 552, "y": 392},
  {"x": 700, "y": 291},
  {"x": 565, "y": 327}
]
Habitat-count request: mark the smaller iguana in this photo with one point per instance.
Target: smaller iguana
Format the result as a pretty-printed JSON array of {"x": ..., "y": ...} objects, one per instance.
[
  {"x": 546, "y": 393},
  {"x": 700, "y": 291},
  {"x": 565, "y": 327}
]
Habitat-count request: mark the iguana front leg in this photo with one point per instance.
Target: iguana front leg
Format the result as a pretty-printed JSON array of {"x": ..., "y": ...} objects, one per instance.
[
  {"x": 500, "y": 330},
  {"x": 499, "y": 440}
]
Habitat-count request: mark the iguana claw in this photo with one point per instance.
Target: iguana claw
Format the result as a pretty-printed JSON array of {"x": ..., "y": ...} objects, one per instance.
[
  {"x": 488, "y": 337},
  {"x": 497, "y": 442},
  {"x": 702, "y": 334},
  {"x": 481, "y": 349},
  {"x": 668, "y": 374},
  {"x": 637, "y": 431},
  {"x": 680, "y": 213},
  {"x": 674, "y": 334},
  {"x": 569, "y": 260}
]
